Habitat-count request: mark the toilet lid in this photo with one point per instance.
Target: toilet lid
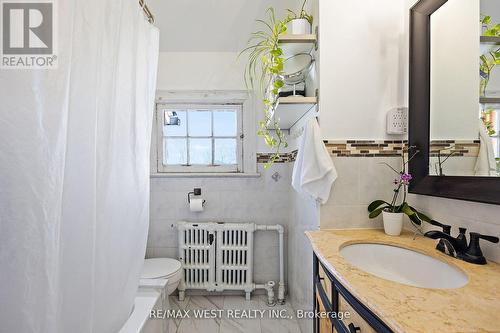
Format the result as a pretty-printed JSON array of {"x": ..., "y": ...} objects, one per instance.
[{"x": 159, "y": 267}]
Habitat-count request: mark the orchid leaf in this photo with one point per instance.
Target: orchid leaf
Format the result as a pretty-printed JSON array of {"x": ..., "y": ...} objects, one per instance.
[
  {"x": 421, "y": 216},
  {"x": 376, "y": 212},
  {"x": 415, "y": 219},
  {"x": 405, "y": 208},
  {"x": 377, "y": 203}
]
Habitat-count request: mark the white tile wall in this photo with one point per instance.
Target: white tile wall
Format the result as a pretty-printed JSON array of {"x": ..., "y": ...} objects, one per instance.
[
  {"x": 363, "y": 179},
  {"x": 360, "y": 181},
  {"x": 477, "y": 217},
  {"x": 305, "y": 217},
  {"x": 454, "y": 166},
  {"x": 264, "y": 201},
  {"x": 260, "y": 200}
]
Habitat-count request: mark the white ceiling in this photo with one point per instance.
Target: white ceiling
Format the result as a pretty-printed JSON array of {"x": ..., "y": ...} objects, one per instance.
[{"x": 210, "y": 25}]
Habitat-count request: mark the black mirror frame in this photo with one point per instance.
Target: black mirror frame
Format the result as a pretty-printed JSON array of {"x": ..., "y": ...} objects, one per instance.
[{"x": 479, "y": 189}]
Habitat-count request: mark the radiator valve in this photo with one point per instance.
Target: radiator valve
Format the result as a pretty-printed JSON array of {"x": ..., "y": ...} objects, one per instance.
[
  {"x": 270, "y": 293},
  {"x": 281, "y": 293}
]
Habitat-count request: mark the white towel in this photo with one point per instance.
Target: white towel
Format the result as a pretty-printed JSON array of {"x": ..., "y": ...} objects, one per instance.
[
  {"x": 485, "y": 164},
  {"x": 313, "y": 171}
]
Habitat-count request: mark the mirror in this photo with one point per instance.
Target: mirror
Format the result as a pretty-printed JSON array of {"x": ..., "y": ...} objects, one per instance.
[
  {"x": 295, "y": 71},
  {"x": 464, "y": 121},
  {"x": 454, "y": 98}
]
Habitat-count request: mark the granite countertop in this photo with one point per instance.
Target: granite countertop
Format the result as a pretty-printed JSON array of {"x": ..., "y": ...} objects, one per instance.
[{"x": 472, "y": 308}]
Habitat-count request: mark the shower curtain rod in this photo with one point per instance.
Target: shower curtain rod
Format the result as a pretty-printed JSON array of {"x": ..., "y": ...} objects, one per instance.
[{"x": 146, "y": 10}]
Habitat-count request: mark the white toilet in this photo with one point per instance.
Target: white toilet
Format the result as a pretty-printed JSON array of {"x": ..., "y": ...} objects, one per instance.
[{"x": 163, "y": 268}]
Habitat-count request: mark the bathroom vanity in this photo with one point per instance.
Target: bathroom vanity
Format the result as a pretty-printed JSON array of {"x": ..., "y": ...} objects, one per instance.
[{"x": 369, "y": 303}]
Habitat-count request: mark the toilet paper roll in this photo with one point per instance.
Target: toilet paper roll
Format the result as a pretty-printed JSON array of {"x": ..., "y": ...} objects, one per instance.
[{"x": 196, "y": 205}]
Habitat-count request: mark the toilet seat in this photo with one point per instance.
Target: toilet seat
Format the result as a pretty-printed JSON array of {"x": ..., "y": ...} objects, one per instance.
[{"x": 156, "y": 268}]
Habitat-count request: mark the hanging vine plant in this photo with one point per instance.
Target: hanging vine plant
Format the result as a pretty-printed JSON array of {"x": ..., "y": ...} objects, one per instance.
[
  {"x": 265, "y": 65},
  {"x": 490, "y": 59}
]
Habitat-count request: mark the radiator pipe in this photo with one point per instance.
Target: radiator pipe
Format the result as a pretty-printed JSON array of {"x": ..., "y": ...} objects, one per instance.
[
  {"x": 279, "y": 228},
  {"x": 269, "y": 287}
]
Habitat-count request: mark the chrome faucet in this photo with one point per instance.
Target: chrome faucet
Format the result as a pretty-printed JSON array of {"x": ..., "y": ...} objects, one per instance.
[{"x": 457, "y": 246}]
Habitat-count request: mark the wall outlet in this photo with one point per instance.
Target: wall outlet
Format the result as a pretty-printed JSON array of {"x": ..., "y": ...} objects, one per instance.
[{"x": 397, "y": 121}]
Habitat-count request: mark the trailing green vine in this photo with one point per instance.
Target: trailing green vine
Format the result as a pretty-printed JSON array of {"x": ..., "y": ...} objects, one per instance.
[
  {"x": 266, "y": 61},
  {"x": 486, "y": 117},
  {"x": 493, "y": 30},
  {"x": 491, "y": 59}
]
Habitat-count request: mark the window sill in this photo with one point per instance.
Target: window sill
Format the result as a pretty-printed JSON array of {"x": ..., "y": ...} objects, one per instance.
[{"x": 204, "y": 175}]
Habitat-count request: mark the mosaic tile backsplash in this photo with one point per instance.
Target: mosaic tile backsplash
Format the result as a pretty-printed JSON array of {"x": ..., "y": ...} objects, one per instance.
[
  {"x": 384, "y": 148},
  {"x": 388, "y": 148},
  {"x": 365, "y": 148},
  {"x": 455, "y": 147},
  {"x": 284, "y": 158}
]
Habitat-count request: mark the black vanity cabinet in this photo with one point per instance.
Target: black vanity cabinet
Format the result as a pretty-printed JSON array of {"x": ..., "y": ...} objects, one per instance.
[{"x": 333, "y": 301}]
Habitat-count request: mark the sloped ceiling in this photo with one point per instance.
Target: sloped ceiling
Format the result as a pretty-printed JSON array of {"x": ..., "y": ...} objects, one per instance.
[{"x": 210, "y": 25}]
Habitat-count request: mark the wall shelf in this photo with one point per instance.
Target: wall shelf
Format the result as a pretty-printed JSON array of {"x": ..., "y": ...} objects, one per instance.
[
  {"x": 293, "y": 108},
  {"x": 489, "y": 100},
  {"x": 490, "y": 40},
  {"x": 298, "y": 100},
  {"x": 295, "y": 44}
]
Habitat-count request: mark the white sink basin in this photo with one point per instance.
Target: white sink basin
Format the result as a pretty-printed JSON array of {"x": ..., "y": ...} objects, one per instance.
[{"x": 404, "y": 266}]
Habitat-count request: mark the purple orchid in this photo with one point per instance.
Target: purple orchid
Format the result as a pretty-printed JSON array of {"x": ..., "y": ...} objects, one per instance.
[
  {"x": 406, "y": 178},
  {"x": 402, "y": 181}
]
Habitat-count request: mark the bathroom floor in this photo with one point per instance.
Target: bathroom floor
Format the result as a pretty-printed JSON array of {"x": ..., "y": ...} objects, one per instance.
[{"x": 230, "y": 319}]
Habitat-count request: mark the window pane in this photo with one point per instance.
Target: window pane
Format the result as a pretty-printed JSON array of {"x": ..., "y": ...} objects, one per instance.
[
  {"x": 200, "y": 151},
  {"x": 200, "y": 123},
  {"x": 225, "y": 123},
  {"x": 225, "y": 151},
  {"x": 175, "y": 152},
  {"x": 175, "y": 130}
]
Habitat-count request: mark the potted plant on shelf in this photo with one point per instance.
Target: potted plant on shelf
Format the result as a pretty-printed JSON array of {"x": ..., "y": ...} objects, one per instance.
[
  {"x": 490, "y": 59},
  {"x": 265, "y": 63},
  {"x": 299, "y": 23},
  {"x": 394, "y": 211}
]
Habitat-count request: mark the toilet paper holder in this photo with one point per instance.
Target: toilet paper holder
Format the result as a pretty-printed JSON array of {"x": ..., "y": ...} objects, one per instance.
[{"x": 196, "y": 192}]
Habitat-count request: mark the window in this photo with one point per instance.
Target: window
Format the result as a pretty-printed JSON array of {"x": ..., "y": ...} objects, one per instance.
[{"x": 200, "y": 138}]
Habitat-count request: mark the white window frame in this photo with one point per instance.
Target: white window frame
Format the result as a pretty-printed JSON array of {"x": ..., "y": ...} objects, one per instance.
[
  {"x": 161, "y": 108},
  {"x": 247, "y": 165}
]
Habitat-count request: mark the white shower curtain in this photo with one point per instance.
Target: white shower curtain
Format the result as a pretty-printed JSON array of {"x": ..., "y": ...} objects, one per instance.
[{"x": 74, "y": 173}]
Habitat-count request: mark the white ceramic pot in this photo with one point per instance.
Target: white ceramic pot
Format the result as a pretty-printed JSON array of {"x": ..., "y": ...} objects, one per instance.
[
  {"x": 393, "y": 223},
  {"x": 299, "y": 27}
]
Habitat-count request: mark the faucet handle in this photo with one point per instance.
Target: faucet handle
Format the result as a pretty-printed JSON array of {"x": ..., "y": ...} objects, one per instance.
[
  {"x": 476, "y": 236},
  {"x": 462, "y": 239},
  {"x": 446, "y": 228},
  {"x": 473, "y": 254}
]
